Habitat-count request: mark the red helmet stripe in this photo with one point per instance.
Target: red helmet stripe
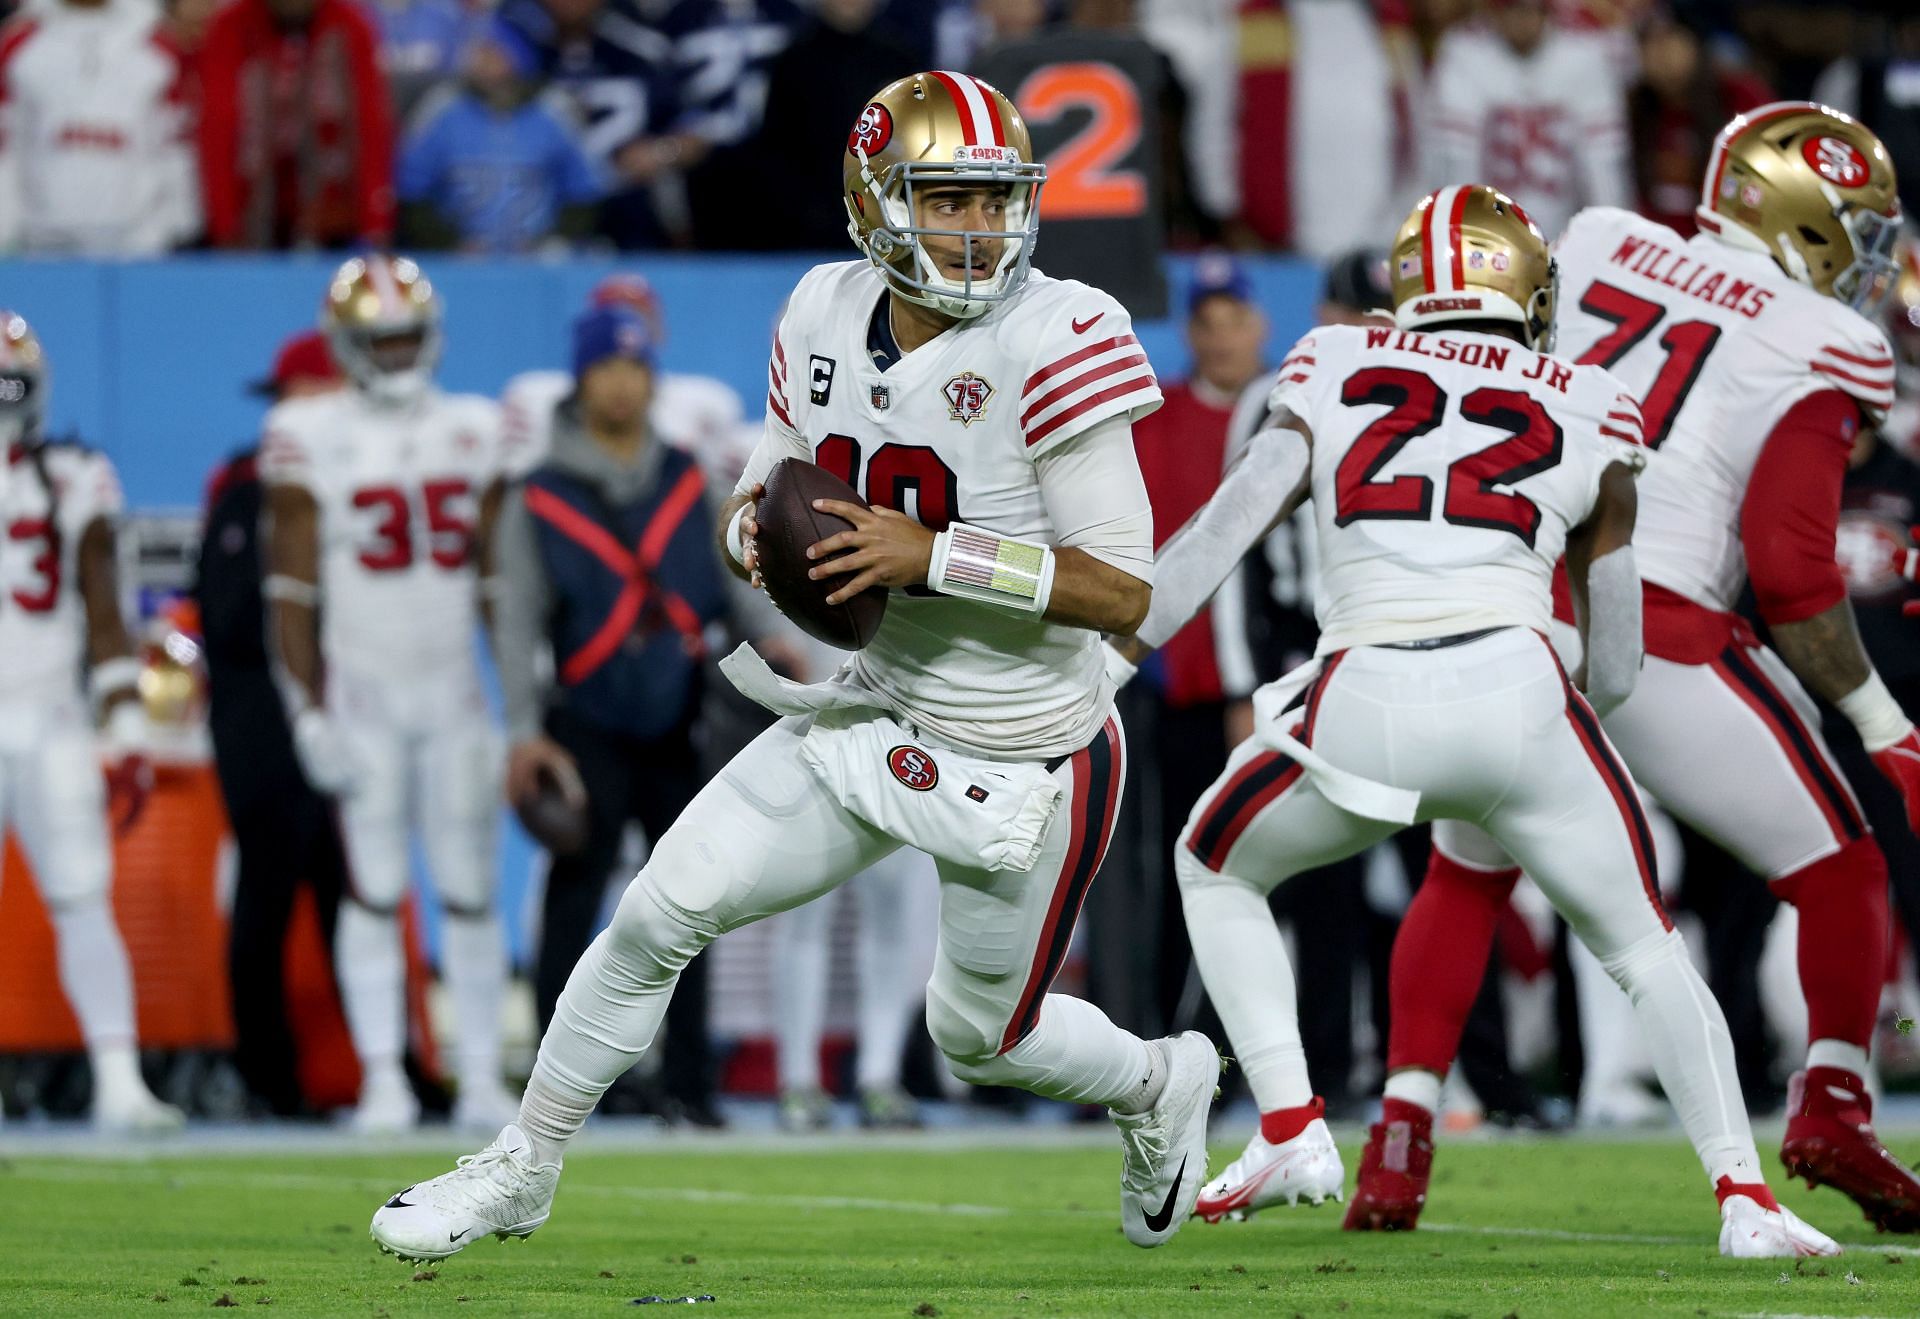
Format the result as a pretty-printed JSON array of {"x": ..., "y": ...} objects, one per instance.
[
  {"x": 1455, "y": 215},
  {"x": 1717, "y": 162},
  {"x": 385, "y": 286},
  {"x": 966, "y": 103},
  {"x": 1426, "y": 242},
  {"x": 993, "y": 111}
]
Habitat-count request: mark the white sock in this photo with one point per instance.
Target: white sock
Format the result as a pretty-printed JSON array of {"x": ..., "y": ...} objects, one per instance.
[
  {"x": 1838, "y": 1053},
  {"x": 94, "y": 974},
  {"x": 1415, "y": 1085},
  {"x": 888, "y": 986},
  {"x": 116, "y": 1071},
  {"x": 1686, "y": 1036},
  {"x": 799, "y": 965},
  {"x": 474, "y": 964},
  {"x": 1244, "y": 965},
  {"x": 372, "y": 971},
  {"x": 1076, "y": 1055}
]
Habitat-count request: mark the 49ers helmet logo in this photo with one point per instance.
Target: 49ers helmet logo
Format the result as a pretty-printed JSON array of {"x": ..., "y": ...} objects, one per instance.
[
  {"x": 913, "y": 767},
  {"x": 1838, "y": 162},
  {"x": 872, "y": 130}
]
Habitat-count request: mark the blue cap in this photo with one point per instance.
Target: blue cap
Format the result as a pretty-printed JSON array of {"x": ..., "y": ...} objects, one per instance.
[
  {"x": 512, "y": 42},
  {"x": 1216, "y": 273},
  {"x": 613, "y": 331}
]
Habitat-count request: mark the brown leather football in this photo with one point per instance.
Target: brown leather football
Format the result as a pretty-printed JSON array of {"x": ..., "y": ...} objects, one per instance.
[{"x": 789, "y": 523}]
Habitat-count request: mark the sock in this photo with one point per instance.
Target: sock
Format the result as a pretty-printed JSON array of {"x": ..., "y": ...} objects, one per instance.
[
  {"x": 372, "y": 971},
  {"x": 1076, "y": 1055},
  {"x": 1439, "y": 960},
  {"x": 1755, "y": 1191},
  {"x": 1415, "y": 1086},
  {"x": 1686, "y": 1036},
  {"x": 799, "y": 966},
  {"x": 1400, "y": 1110},
  {"x": 1282, "y": 1125},
  {"x": 473, "y": 964},
  {"x": 94, "y": 973},
  {"x": 116, "y": 1070},
  {"x": 1249, "y": 979},
  {"x": 1839, "y": 1054},
  {"x": 1842, "y": 901}
]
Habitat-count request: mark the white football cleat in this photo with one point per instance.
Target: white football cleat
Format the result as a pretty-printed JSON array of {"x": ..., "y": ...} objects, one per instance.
[
  {"x": 135, "y": 1111},
  {"x": 499, "y": 1190},
  {"x": 1165, "y": 1148},
  {"x": 1306, "y": 1168},
  {"x": 486, "y": 1107},
  {"x": 387, "y": 1105},
  {"x": 1749, "y": 1230}
]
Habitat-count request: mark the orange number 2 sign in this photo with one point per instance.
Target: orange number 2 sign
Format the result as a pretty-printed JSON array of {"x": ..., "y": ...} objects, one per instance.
[{"x": 1081, "y": 183}]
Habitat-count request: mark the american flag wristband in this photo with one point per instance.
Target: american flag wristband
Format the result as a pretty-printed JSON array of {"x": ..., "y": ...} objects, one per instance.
[{"x": 978, "y": 565}]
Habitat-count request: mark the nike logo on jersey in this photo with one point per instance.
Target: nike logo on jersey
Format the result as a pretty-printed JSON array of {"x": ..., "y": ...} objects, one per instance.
[
  {"x": 1081, "y": 327},
  {"x": 1157, "y": 1221}
]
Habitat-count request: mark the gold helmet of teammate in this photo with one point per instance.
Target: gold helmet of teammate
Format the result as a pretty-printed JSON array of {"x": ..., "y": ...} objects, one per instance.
[
  {"x": 23, "y": 382},
  {"x": 1813, "y": 189},
  {"x": 1903, "y": 316},
  {"x": 1469, "y": 253},
  {"x": 931, "y": 130},
  {"x": 382, "y": 321}
]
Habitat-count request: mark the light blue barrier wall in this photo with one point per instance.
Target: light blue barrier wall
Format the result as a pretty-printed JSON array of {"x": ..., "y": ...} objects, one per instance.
[{"x": 151, "y": 359}]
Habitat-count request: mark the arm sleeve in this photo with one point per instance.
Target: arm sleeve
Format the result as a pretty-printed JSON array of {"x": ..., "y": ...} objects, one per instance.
[
  {"x": 1097, "y": 499},
  {"x": 1793, "y": 505},
  {"x": 520, "y": 611}
]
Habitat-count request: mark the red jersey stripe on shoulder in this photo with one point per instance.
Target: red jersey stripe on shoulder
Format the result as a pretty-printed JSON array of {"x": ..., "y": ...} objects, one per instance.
[
  {"x": 1142, "y": 385},
  {"x": 1091, "y": 375},
  {"x": 774, "y": 405},
  {"x": 1881, "y": 385},
  {"x": 1074, "y": 359},
  {"x": 1857, "y": 359}
]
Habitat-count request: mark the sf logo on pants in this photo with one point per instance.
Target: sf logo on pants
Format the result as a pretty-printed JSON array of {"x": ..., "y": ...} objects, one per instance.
[{"x": 913, "y": 767}]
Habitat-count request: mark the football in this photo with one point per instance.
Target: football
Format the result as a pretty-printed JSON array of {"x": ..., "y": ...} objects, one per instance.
[
  {"x": 552, "y": 820},
  {"x": 789, "y": 523}
]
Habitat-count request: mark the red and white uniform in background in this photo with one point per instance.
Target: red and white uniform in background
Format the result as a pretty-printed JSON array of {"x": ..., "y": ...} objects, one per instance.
[
  {"x": 96, "y": 134},
  {"x": 1548, "y": 128},
  {"x": 699, "y": 414},
  {"x": 52, "y": 792}
]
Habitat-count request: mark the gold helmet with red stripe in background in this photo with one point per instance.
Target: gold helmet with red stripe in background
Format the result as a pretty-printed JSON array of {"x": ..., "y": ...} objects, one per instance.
[
  {"x": 382, "y": 321},
  {"x": 1813, "y": 189},
  {"x": 23, "y": 382},
  {"x": 914, "y": 142},
  {"x": 1469, "y": 253},
  {"x": 1903, "y": 318}
]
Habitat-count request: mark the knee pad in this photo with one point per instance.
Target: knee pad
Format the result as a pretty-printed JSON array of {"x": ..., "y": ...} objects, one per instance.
[
  {"x": 377, "y": 860},
  {"x": 1631, "y": 964},
  {"x": 62, "y": 821},
  {"x": 1471, "y": 851},
  {"x": 966, "y": 1039},
  {"x": 648, "y": 927}
]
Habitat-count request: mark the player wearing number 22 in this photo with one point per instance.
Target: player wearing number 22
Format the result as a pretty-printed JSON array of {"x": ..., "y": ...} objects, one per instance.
[
  {"x": 1451, "y": 462},
  {"x": 1754, "y": 367},
  {"x": 377, "y": 498},
  {"x": 985, "y": 411}
]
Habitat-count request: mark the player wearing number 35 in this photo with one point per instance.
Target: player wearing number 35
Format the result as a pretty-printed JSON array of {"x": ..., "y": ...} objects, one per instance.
[
  {"x": 985, "y": 412},
  {"x": 1451, "y": 461}
]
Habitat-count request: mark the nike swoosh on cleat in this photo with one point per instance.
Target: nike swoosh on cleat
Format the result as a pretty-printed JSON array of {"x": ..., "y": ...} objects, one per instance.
[
  {"x": 1157, "y": 1222},
  {"x": 398, "y": 1203},
  {"x": 1081, "y": 327}
]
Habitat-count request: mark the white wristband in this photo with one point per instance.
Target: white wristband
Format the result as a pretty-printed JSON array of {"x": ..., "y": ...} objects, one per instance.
[
  {"x": 997, "y": 570},
  {"x": 113, "y": 675},
  {"x": 1871, "y": 709},
  {"x": 279, "y": 586},
  {"x": 736, "y": 542}
]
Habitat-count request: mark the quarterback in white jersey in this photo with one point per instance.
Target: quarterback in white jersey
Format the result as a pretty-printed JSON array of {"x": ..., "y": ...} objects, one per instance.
[
  {"x": 1451, "y": 461},
  {"x": 379, "y": 500},
  {"x": 985, "y": 412},
  {"x": 60, "y": 618},
  {"x": 1755, "y": 370}
]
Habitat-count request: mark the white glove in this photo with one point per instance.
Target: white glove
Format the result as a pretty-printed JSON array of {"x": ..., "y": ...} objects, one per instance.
[
  {"x": 1119, "y": 667},
  {"x": 325, "y": 758}
]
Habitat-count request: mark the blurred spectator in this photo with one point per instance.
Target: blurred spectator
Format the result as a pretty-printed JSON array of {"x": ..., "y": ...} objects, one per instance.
[
  {"x": 186, "y": 22},
  {"x": 421, "y": 45},
  {"x": 815, "y": 89},
  {"x": 1533, "y": 109},
  {"x": 283, "y": 831},
  {"x": 489, "y": 168},
  {"x": 1202, "y": 40},
  {"x": 296, "y": 132},
  {"x": 1325, "y": 145},
  {"x": 1881, "y": 86},
  {"x": 96, "y": 133},
  {"x": 1680, "y": 101}
]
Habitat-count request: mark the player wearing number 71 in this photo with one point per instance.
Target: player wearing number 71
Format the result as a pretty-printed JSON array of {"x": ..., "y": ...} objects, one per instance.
[
  {"x": 379, "y": 498},
  {"x": 1451, "y": 461}
]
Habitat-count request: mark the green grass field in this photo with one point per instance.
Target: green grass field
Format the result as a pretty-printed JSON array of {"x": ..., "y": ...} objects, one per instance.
[{"x": 902, "y": 1228}]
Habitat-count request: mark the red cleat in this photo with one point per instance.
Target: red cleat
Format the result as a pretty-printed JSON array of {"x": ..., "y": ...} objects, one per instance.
[
  {"x": 1393, "y": 1171},
  {"x": 1830, "y": 1142}
]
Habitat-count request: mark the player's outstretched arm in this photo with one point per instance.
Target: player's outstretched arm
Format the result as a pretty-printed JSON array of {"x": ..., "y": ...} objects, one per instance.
[
  {"x": 291, "y": 585},
  {"x": 1606, "y": 592},
  {"x": 1263, "y": 488}
]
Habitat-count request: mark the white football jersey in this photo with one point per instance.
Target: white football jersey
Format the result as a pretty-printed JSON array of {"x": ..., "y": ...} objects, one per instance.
[
  {"x": 951, "y": 433},
  {"x": 696, "y": 413},
  {"x": 399, "y": 496},
  {"x": 48, "y": 499},
  {"x": 1447, "y": 470},
  {"x": 1716, "y": 344}
]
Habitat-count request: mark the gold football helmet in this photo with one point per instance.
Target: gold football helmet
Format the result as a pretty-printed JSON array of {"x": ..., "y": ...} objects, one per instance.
[
  {"x": 1903, "y": 316},
  {"x": 921, "y": 132},
  {"x": 1813, "y": 189},
  {"x": 382, "y": 321},
  {"x": 23, "y": 381},
  {"x": 1469, "y": 253}
]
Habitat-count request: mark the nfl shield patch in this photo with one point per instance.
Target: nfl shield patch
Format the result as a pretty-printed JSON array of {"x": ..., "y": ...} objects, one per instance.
[{"x": 881, "y": 396}]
